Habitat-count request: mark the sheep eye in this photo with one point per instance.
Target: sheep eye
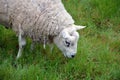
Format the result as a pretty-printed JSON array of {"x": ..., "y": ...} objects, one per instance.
[{"x": 67, "y": 43}]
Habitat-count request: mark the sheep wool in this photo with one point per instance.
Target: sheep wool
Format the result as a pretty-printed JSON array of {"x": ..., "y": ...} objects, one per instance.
[{"x": 41, "y": 20}]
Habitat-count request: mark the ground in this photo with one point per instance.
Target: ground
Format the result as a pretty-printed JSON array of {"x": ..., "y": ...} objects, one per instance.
[{"x": 98, "y": 56}]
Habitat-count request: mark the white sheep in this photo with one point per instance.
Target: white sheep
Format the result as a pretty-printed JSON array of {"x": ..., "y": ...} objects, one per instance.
[{"x": 44, "y": 21}]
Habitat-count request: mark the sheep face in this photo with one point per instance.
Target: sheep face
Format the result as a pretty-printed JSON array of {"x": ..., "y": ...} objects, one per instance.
[{"x": 66, "y": 41}]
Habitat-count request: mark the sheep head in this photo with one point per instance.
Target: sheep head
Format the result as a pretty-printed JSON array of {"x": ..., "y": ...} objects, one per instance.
[{"x": 67, "y": 40}]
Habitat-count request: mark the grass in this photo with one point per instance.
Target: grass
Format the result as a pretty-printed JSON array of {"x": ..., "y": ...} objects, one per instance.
[{"x": 98, "y": 56}]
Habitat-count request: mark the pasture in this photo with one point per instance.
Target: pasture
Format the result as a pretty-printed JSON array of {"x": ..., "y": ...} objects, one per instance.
[{"x": 97, "y": 58}]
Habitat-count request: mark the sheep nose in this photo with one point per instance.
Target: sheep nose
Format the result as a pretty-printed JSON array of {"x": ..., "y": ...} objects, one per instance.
[{"x": 72, "y": 56}]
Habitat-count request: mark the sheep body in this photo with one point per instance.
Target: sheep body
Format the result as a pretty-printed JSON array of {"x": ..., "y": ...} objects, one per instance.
[{"x": 41, "y": 20}]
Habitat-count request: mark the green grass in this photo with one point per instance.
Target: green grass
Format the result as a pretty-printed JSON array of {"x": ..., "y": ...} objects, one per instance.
[{"x": 98, "y": 56}]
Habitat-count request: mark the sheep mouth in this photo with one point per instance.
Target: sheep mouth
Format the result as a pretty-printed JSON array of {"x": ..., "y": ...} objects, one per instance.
[{"x": 69, "y": 56}]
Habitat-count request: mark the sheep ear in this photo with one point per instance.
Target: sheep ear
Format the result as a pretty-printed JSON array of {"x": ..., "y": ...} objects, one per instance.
[
  {"x": 65, "y": 34},
  {"x": 79, "y": 27}
]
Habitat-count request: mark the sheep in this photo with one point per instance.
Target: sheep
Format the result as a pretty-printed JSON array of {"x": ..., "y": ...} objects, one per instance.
[{"x": 44, "y": 21}]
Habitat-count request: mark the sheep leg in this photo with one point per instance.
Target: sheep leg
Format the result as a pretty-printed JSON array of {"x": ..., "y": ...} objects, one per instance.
[
  {"x": 51, "y": 46},
  {"x": 32, "y": 45},
  {"x": 22, "y": 43}
]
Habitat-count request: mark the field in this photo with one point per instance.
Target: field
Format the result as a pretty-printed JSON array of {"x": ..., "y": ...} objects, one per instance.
[{"x": 98, "y": 56}]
